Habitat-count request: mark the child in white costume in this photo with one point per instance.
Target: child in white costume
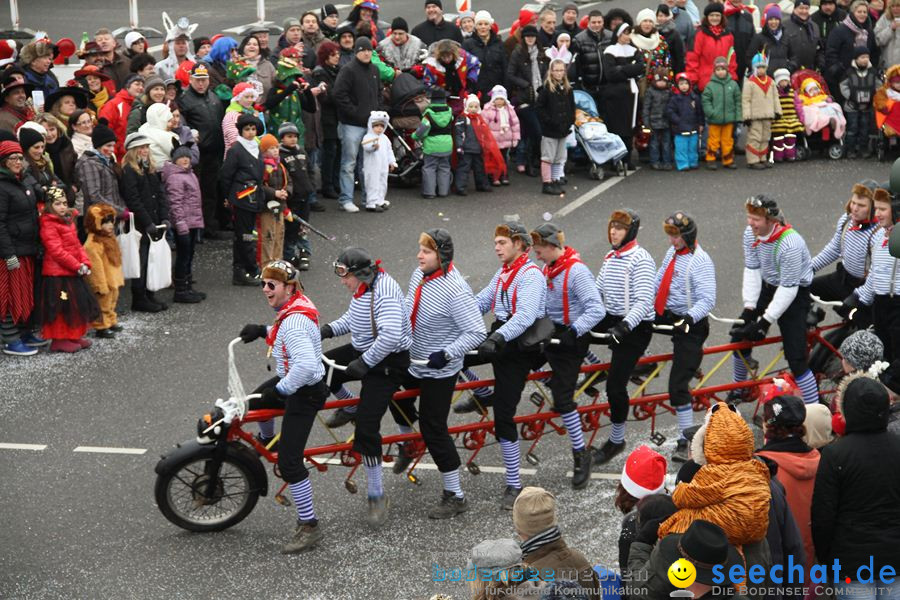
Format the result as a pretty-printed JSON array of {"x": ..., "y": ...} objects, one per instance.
[{"x": 378, "y": 161}]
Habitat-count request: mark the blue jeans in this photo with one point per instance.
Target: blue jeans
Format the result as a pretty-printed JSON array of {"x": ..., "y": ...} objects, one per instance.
[
  {"x": 686, "y": 151},
  {"x": 351, "y": 136},
  {"x": 859, "y": 125},
  {"x": 312, "y": 165},
  {"x": 661, "y": 147},
  {"x": 869, "y": 591}
]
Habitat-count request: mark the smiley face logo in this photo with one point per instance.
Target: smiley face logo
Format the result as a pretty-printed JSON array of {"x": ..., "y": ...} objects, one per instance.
[{"x": 682, "y": 573}]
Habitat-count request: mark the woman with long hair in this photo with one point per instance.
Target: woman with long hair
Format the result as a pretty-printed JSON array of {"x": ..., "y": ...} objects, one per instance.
[
  {"x": 524, "y": 76},
  {"x": 327, "y": 64}
]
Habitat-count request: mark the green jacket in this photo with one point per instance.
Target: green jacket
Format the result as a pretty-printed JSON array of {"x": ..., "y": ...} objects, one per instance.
[
  {"x": 722, "y": 101},
  {"x": 442, "y": 143},
  {"x": 385, "y": 72}
]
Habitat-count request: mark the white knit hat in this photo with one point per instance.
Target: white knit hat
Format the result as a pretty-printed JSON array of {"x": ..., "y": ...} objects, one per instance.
[
  {"x": 131, "y": 37},
  {"x": 498, "y": 91},
  {"x": 645, "y": 14},
  {"x": 644, "y": 473},
  {"x": 483, "y": 15},
  {"x": 781, "y": 75}
]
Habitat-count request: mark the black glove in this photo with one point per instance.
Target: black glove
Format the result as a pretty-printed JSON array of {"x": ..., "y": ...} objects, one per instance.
[
  {"x": 736, "y": 332},
  {"x": 325, "y": 332},
  {"x": 437, "y": 360},
  {"x": 492, "y": 346},
  {"x": 155, "y": 233},
  {"x": 755, "y": 330},
  {"x": 683, "y": 325},
  {"x": 568, "y": 337},
  {"x": 356, "y": 369},
  {"x": 252, "y": 332},
  {"x": 649, "y": 532},
  {"x": 848, "y": 307},
  {"x": 271, "y": 395},
  {"x": 618, "y": 332}
]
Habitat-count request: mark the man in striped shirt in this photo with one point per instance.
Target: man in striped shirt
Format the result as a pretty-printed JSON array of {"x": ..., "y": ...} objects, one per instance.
[
  {"x": 446, "y": 323},
  {"x": 685, "y": 294},
  {"x": 574, "y": 306},
  {"x": 626, "y": 287},
  {"x": 777, "y": 275},
  {"x": 516, "y": 296},
  {"x": 299, "y": 388},
  {"x": 378, "y": 355}
]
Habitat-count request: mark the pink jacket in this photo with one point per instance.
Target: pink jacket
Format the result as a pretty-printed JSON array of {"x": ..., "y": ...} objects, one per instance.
[
  {"x": 185, "y": 205},
  {"x": 508, "y": 138}
]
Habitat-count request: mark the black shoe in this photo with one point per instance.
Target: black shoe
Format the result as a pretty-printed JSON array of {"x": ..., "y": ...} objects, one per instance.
[
  {"x": 484, "y": 189},
  {"x": 531, "y": 171},
  {"x": 378, "y": 511},
  {"x": 329, "y": 193},
  {"x": 461, "y": 192},
  {"x": 471, "y": 404},
  {"x": 184, "y": 294},
  {"x": 606, "y": 452},
  {"x": 563, "y": 180},
  {"x": 740, "y": 395},
  {"x": 509, "y": 497},
  {"x": 681, "y": 452},
  {"x": 303, "y": 263},
  {"x": 404, "y": 457},
  {"x": 852, "y": 155},
  {"x": 449, "y": 506},
  {"x": 549, "y": 188},
  {"x": 117, "y": 328},
  {"x": 153, "y": 298},
  {"x": 339, "y": 418},
  {"x": 305, "y": 537},
  {"x": 428, "y": 196},
  {"x": 375, "y": 209},
  {"x": 142, "y": 303},
  {"x": 318, "y": 206},
  {"x": 245, "y": 279},
  {"x": 581, "y": 469},
  {"x": 191, "y": 282},
  {"x": 105, "y": 334},
  {"x": 265, "y": 442}
]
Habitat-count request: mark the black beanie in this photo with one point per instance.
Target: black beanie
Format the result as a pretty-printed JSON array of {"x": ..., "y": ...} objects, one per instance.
[
  {"x": 663, "y": 9},
  {"x": 247, "y": 119},
  {"x": 435, "y": 2},
  {"x": 714, "y": 7},
  {"x": 529, "y": 30},
  {"x": 102, "y": 134},
  {"x": 200, "y": 41},
  {"x": 399, "y": 24},
  {"x": 327, "y": 9},
  {"x": 28, "y": 137}
]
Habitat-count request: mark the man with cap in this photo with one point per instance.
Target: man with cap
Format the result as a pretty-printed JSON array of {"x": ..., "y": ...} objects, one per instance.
[
  {"x": 299, "y": 388},
  {"x": 400, "y": 50},
  {"x": 445, "y": 323},
  {"x": 356, "y": 93},
  {"x": 378, "y": 355},
  {"x": 626, "y": 287},
  {"x": 805, "y": 46},
  {"x": 777, "y": 275},
  {"x": 15, "y": 109},
  {"x": 434, "y": 28},
  {"x": 569, "y": 22},
  {"x": 517, "y": 296},
  {"x": 291, "y": 38},
  {"x": 328, "y": 20},
  {"x": 543, "y": 547},
  {"x": 116, "y": 110},
  {"x": 685, "y": 295},
  {"x": 828, "y": 17},
  {"x": 202, "y": 110},
  {"x": 487, "y": 47},
  {"x": 574, "y": 306},
  {"x": 588, "y": 50}
]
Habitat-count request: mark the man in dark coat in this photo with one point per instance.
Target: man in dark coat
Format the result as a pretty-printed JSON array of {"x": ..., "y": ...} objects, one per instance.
[
  {"x": 856, "y": 499},
  {"x": 827, "y": 18},
  {"x": 588, "y": 49},
  {"x": 434, "y": 27},
  {"x": 569, "y": 23},
  {"x": 805, "y": 46},
  {"x": 740, "y": 22}
]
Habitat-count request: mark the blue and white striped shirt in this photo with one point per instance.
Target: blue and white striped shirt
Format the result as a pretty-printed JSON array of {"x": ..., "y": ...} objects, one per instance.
[
  {"x": 626, "y": 285},
  {"x": 851, "y": 246},
  {"x": 391, "y": 321},
  {"x": 585, "y": 307},
  {"x": 531, "y": 303},
  {"x": 693, "y": 289},
  {"x": 299, "y": 345},
  {"x": 448, "y": 319},
  {"x": 884, "y": 275},
  {"x": 790, "y": 266}
]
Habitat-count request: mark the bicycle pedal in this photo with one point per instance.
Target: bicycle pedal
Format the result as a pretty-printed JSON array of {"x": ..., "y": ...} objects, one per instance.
[
  {"x": 473, "y": 469},
  {"x": 657, "y": 438},
  {"x": 282, "y": 500},
  {"x": 351, "y": 486},
  {"x": 532, "y": 458},
  {"x": 413, "y": 479},
  {"x": 536, "y": 399}
]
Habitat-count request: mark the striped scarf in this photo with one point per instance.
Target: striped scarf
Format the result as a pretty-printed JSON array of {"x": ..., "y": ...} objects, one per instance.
[{"x": 540, "y": 540}]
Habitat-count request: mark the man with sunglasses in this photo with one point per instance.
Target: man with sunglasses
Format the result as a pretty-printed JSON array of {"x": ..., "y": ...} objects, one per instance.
[
  {"x": 299, "y": 388},
  {"x": 685, "y": 294},
  {"x": 378, "y": 354},
  {"x": 777, "y": 275}
]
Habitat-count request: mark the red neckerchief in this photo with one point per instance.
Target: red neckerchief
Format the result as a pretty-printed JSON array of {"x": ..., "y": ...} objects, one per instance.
[
  {"x": 620, "y": 251},
  {"x": 887, "y": 236},
  {"x": 716, "y": 30},
  {"x": 425, "y": 279},
  {"x": 363, "y": 288},
  {"x": 508, "y": 275},
  {"x": 776, "y": 233},
  {"x": 296, "y": 304},
  {"x": 764, "y": 83},
  {"x": 564, "y": 263},
  {"x": 861, "y": 225},
  {"x": 662, "y": 296}
]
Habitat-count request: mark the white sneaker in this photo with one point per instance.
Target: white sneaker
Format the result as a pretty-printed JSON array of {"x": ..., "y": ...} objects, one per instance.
[
  {"x": 385, "y": 203},
  {"x": 349, "y": 207}
]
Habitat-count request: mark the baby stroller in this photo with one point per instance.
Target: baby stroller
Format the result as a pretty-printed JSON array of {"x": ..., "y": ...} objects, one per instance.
[
  {"x": 408, "y": 100},
  {"x": 594, "y": 140},
  {"x": 823, "y": 136}
]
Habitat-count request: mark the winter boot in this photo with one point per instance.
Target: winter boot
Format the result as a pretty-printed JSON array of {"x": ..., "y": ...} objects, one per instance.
[
  {"x": 404, "y": 457},
  {"x": 549, "y": 188},
  {"x": 153, "y": 298},
  {"x": 141, "y": 302},
  {"x": 243, "y": 278},
  {"x": 581, "y": 470},
  {"x": 306, "y": 536},
  {"x": 449, "y": 506},
  {"x": 606, "y": 452},
  {"x": 184, "y": 294},
  {"x": 191, "y": 282}
]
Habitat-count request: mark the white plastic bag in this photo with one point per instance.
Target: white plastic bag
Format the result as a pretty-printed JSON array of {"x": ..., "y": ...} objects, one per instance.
[
  {"x": 571, "y": 142},
  {"x": 159, "y": 265},
  {"x": 130, "y": 245}
]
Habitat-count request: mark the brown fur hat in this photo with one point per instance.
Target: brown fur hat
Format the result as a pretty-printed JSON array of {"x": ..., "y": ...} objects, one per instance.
[{"x": 94, "y": 216}]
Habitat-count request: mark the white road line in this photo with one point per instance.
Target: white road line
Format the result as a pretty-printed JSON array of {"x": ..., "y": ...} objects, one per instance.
[
  {"x": 589, "y": 195},
  {"x": 9, "y": 446},
  {"x": 605, "y": 476},
  {"x": 581, "y": 8},
  {"x": 108, "y": 450},
  {"x": 434, "y": 467}
]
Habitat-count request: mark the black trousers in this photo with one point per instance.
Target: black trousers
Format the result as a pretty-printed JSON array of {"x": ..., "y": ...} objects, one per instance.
[
  {"x": 565, "y": 362},
  {"x": 378, "y": 387},
  {"x": 300, "y": 410},
  {"x": 139, "y": 284},
  {"x": 435, "y": 396},
  {"x": 687, "y": 354},
  {"x": 792, "y": 325},
  {"x": 836, "y": 286},
  {"x": 886, "y": 318},
  {"x": 625, "y": 356},
  {"x": 244, "y": 249},
  {"x": 215, "y": 216},
  {"x": 470, "y": 162}
]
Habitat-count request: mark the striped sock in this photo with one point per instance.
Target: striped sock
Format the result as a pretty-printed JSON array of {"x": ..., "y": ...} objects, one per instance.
[
  {"x": 808, "y": 387},
  {"x": 511, "y": 460},
  {"x": 373, "y": 476},
  {"x": 405, "y": 428},
  {"x": 267, "y": 429},
  {"x": 302, "y": 494},
  {"x": 685, "y": 414},
  {"x": 557, "y": 170},
  {"x": 470, "y": 375},
  {"x": 592, "y": 358},
  {"x": 344, "y": 394},
  {"x": 738, "y": 367},
  {"x": 617, "y": 435},
  {"x": 451, "y": 482},
  {"x": 573, "y": 425}
]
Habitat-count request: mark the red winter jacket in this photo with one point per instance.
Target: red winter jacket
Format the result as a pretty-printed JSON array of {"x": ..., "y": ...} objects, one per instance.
[
  {"x": 707, "y": 47},
  {"x": 116, "y": 112},
  {"x": 63, "y": 253}
]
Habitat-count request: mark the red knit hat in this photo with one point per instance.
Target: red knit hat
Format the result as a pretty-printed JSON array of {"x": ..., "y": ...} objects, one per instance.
[{"x": 644, "y": 473}]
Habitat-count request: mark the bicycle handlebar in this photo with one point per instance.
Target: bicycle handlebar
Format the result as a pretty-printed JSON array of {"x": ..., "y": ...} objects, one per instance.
[{"x": 818, "y": 300}]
